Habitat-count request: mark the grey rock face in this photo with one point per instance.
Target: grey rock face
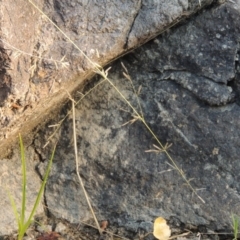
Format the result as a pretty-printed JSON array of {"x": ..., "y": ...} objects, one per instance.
[
  {"x": 38, "y": 51},
  {"x": 32, "y": 85},
  {"x": 150, "y": 14},
  {"x": 190, "y": 98}
]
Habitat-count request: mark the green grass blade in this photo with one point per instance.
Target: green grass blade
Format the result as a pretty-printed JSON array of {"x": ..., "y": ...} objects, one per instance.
[
  {"x": 235, "y": 222},
  {"x": 20, "y": 217},
  {"x": 24, "y": 180},
  {"x": 49, "y": 166},
  {"x": 14, "y": 207}
]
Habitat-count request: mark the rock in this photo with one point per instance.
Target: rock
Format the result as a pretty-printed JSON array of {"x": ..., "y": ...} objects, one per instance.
[
  {"x": 60, "y": 228},
  {"x": 44, "y": 228},
  {"x": 38, "y": 63},
  {"x": 189, "y": 78}
]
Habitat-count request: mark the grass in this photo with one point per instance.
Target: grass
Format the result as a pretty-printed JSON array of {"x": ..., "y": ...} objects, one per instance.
[
  {"x": 235, "y": 225},
  {"x": 77, "y": 169},
  {"x": 23, "y": 221}
]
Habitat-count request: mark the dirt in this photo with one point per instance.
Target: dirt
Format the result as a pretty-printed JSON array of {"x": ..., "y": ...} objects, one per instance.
[{"x": 51, "y": 228}]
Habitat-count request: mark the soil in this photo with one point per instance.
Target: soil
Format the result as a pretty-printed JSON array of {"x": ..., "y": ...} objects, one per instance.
[{"x": 51, "y": 228}]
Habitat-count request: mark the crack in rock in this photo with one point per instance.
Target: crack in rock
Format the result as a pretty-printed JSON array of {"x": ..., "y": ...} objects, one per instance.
[{"x": 140, "y": 4}]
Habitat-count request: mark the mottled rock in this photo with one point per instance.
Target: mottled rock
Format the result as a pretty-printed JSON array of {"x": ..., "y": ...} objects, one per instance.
[
  {"x": 41, "y": 63},
  {"x": 60, "y": 228},
  {"x": 190, "y": 88},
  {"x": 190, "y": 97}
]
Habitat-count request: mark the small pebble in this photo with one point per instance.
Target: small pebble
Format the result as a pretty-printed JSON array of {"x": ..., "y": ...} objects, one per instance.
[
  {"x": 60, "y": 228},
  {"x": 44, "y": 228}
]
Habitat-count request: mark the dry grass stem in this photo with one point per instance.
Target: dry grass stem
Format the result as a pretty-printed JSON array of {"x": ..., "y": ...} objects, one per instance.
[
  {"x": 59, "y": 124},
  {"x": 98, "y": 69},
  {"x": 77, "y": 169},
  {"x": 94, "y": 65},
  {"x": 137, "y": 93},
  {"x": 133, "y": 120},
  {"x": 158, "y": 149},
  {"x": 180, "y": 235},
  {"x": 87, "y": 224},
  {"x": 19, "y": 52}
]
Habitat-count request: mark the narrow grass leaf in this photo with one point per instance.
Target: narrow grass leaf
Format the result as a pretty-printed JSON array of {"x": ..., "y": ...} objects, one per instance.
[
  {"x": 24, "y": 180},
  {"x": 40, "y": 192},
  {"x": 14, "y": 207}
]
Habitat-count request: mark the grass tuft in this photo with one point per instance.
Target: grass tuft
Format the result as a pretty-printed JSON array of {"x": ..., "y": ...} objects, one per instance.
[
  {"x": 23, "y": 223},
  {"x": 235, "y": 225}
]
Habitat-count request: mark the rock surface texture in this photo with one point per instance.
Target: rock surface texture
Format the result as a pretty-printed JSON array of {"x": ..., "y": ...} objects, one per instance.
[
  {"x": 38, "y": 62},
  {"x": 189, "y": 79},
  {"x": 190, "y": 85}
]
